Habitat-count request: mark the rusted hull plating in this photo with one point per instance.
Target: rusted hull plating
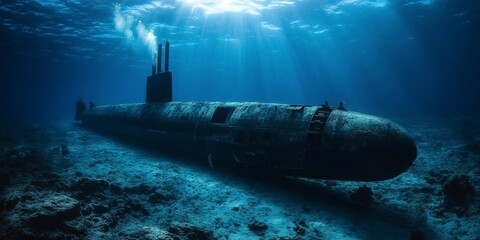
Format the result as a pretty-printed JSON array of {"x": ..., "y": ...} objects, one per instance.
[{"x": 297, "y": 140}]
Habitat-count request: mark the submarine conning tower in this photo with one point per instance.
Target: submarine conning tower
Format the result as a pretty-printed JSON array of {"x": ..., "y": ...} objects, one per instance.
[{"x": 159, "y": 84}]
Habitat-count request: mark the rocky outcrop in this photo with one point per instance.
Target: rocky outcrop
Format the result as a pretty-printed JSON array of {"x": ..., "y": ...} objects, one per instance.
[
  {"x": 363, "y": 195},
  {"x": 47, "y": 211},
  {"x": 189, "y": 231},
  {"x": 88, "y": 187},
  {"x": 257, "y": 227},
  {"x": 34, "y": 214}
]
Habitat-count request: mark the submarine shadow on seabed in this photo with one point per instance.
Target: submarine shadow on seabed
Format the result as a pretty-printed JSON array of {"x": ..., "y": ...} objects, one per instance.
[
  {"x": 299, "y": 190},
  {"x": 319, "y": 194}
]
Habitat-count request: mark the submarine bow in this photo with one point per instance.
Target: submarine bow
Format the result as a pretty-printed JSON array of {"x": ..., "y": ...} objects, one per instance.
[{"x": 296, "y": 140}]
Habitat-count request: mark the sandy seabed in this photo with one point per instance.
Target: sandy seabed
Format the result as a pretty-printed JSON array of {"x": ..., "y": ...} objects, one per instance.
[{"x": 62, "y": 181}]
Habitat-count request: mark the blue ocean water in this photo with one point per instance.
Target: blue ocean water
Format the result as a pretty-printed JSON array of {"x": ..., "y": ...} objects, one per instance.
[{"x": 385, "y": 57}]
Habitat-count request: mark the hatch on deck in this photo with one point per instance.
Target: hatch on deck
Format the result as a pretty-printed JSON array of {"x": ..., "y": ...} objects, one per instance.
[{"x": 222, "y": 114}]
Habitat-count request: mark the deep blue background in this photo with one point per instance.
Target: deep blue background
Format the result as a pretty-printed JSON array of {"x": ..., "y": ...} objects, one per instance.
[{"x": 399, "y": 59}]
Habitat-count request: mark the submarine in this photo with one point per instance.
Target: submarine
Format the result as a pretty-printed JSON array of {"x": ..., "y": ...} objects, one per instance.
[{"x": 321, "y": 142}]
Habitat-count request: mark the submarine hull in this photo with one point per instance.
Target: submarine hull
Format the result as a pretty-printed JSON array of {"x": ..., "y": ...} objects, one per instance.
[{"x": 296, "y": 140}]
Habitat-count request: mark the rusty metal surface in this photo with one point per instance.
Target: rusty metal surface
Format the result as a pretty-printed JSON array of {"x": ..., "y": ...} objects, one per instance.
[
  {"x": 245, "y": 133},
  {"x": 297, "y": 140}
]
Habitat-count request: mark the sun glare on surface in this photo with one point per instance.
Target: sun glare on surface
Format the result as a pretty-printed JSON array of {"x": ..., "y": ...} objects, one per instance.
[{"x": 227, "y": 6}]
